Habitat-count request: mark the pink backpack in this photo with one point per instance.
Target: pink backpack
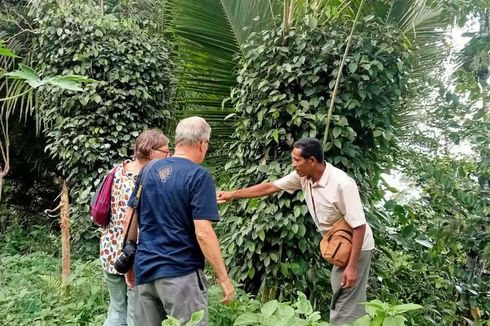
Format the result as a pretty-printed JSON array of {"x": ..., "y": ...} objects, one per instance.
[{"x": 100, "y": 204}]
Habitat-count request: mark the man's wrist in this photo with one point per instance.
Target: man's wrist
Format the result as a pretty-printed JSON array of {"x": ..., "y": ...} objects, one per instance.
[{"x": 352, "y": 265}]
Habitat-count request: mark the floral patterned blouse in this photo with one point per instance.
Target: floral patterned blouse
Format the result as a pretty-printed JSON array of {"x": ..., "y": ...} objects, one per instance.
[{"x": 111, "y": 239}]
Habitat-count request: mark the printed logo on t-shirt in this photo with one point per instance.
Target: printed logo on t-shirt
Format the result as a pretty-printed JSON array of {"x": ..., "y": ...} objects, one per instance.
[{"x": 164, "y": 173}]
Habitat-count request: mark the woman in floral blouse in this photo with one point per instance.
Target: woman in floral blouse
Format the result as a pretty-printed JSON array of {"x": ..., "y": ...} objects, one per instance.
[{"x": 149, "y": 145}]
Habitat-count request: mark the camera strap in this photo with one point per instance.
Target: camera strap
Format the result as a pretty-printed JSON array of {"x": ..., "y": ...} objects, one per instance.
[{"x": 132, "y": 229}]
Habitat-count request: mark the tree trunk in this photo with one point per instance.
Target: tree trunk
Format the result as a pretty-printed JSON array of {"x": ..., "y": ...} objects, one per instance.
[
  {"x": 1, "y": 185},
  {"x": 65, "y": 235}
]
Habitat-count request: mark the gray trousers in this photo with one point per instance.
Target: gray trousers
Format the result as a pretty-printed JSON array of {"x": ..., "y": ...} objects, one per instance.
[
  {"x": 178, "y": 297},
  {"x": 347, "y": 304}
]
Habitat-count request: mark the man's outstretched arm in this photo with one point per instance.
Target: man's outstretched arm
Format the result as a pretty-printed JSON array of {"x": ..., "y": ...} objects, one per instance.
[{"x": 259, "y": 190}]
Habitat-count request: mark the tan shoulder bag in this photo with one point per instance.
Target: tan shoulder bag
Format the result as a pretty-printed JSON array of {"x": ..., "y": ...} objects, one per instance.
[{"x": 336, "y": 244}]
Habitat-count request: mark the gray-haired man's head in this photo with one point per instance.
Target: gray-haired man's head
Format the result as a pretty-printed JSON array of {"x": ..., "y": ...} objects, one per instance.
[{"x": 192, "y": 132}]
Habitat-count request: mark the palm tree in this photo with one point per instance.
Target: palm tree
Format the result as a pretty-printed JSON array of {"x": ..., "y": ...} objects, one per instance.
[{"x": 209, "y": 35}]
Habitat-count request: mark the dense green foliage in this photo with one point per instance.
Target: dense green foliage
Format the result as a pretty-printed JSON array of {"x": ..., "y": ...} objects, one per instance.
[
  {"x": 283, "y": 94},
  {"x": 432, "y": 244},
  {"x": 90, "y": 131},
  {"x": 42, "y": 301},
  {"x": 31, "y": 293}
]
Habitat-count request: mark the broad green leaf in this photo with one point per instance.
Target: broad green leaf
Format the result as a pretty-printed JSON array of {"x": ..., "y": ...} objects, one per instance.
[
  {"x": 26, "y": 74},
  {"x": 196, "y": 317},
  {"x": 377, "y": 133},
  {"x": 363, "y": 321},
  {"x": 65, "y": 84},
  {"x": 378, "y": 319},
  {"x": 425, "y": 243},
  {"x": 274, "y": 257},
  {"x": 285, "y": 312},
  {"x": 269, "y": 308},
  {"x": 295, "y": 228},
  {"x": 171, "y": 321},
  {"x": 7, "y": 52},
  {"x": 394, "y": 321},
  {"x": 262, "y": 235},
  {"x": 247, "y": 318},
  {"x": 275, "y": 134},
  {"x": 400, "y": 309},
  {"x": 304, "y": 307},
  {"x": 372, "y": 307},
  {"x": 352, "y": 67}
]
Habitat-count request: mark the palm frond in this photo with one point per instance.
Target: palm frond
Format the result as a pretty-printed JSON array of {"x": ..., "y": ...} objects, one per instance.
[
  {"x": 19, "y": 96},
  {"x": 208, "y": 35}
]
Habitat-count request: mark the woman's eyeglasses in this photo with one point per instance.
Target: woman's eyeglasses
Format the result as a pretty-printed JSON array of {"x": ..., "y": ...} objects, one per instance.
[{"x": 169, "y": 152}]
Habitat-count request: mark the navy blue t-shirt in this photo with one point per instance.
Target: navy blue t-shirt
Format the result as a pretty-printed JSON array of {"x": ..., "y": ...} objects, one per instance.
[{"x": 176, "y": 191}]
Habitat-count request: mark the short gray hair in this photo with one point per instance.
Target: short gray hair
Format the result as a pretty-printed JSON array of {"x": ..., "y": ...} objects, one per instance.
[{"x": 191, "y": 131}]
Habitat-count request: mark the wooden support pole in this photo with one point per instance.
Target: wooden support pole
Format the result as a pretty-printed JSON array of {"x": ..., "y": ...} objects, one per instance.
[{"x": 65, "y": 235}]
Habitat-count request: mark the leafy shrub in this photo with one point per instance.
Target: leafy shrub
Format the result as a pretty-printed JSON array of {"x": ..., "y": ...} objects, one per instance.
[
  {"x": 224, "y": 315},
  {"x": 381, "y": 313},
  {"x": 196, "y": 317},
  {"x": 31, "y": 292},
  {"x": 21, "y": 240},
  {"x": 92, "y": 130},
  {"x": 433, "y": 250},
  {"x": 283, "y": 92},
  {"x": 276, "y": 313},
  {"x": 23, "y": 232}
]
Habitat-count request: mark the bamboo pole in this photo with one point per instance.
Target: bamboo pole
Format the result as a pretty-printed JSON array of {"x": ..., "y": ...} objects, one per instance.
[{"x": 339, "y": 74}]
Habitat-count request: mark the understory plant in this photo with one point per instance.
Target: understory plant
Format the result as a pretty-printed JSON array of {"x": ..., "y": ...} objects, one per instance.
[{"x": 89, "y": 132}]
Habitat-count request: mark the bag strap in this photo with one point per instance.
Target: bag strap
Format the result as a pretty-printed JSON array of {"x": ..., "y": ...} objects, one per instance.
[
  {"x": 145, "y": 171},
  {"x": 315, "y": 216}
]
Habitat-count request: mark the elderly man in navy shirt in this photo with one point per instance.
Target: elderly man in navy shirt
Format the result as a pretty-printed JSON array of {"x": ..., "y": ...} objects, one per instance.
[{"x": 177, "y": 206}]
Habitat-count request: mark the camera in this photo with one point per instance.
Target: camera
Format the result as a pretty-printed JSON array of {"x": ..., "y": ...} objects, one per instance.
[{"x": 126, "y": 259}]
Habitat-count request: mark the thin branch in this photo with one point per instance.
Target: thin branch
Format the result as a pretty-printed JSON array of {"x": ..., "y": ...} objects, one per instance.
[
  {"x": 51, "y": 211},
  {"x": 15, "y": 96},
  {"x": 17, "y": 34},
  {"x": 339, "y": 74},
  {"x": 24, "y": 20},
  {"x": 5, "y": 148},
  {"x": 18, "y": 22}
]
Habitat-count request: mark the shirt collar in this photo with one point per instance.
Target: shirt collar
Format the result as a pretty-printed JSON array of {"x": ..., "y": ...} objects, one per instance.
[{"x": 325, "y": 176}]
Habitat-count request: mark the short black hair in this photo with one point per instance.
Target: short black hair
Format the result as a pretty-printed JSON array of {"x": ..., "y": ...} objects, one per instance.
[{"x": 310, "y": 147}]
